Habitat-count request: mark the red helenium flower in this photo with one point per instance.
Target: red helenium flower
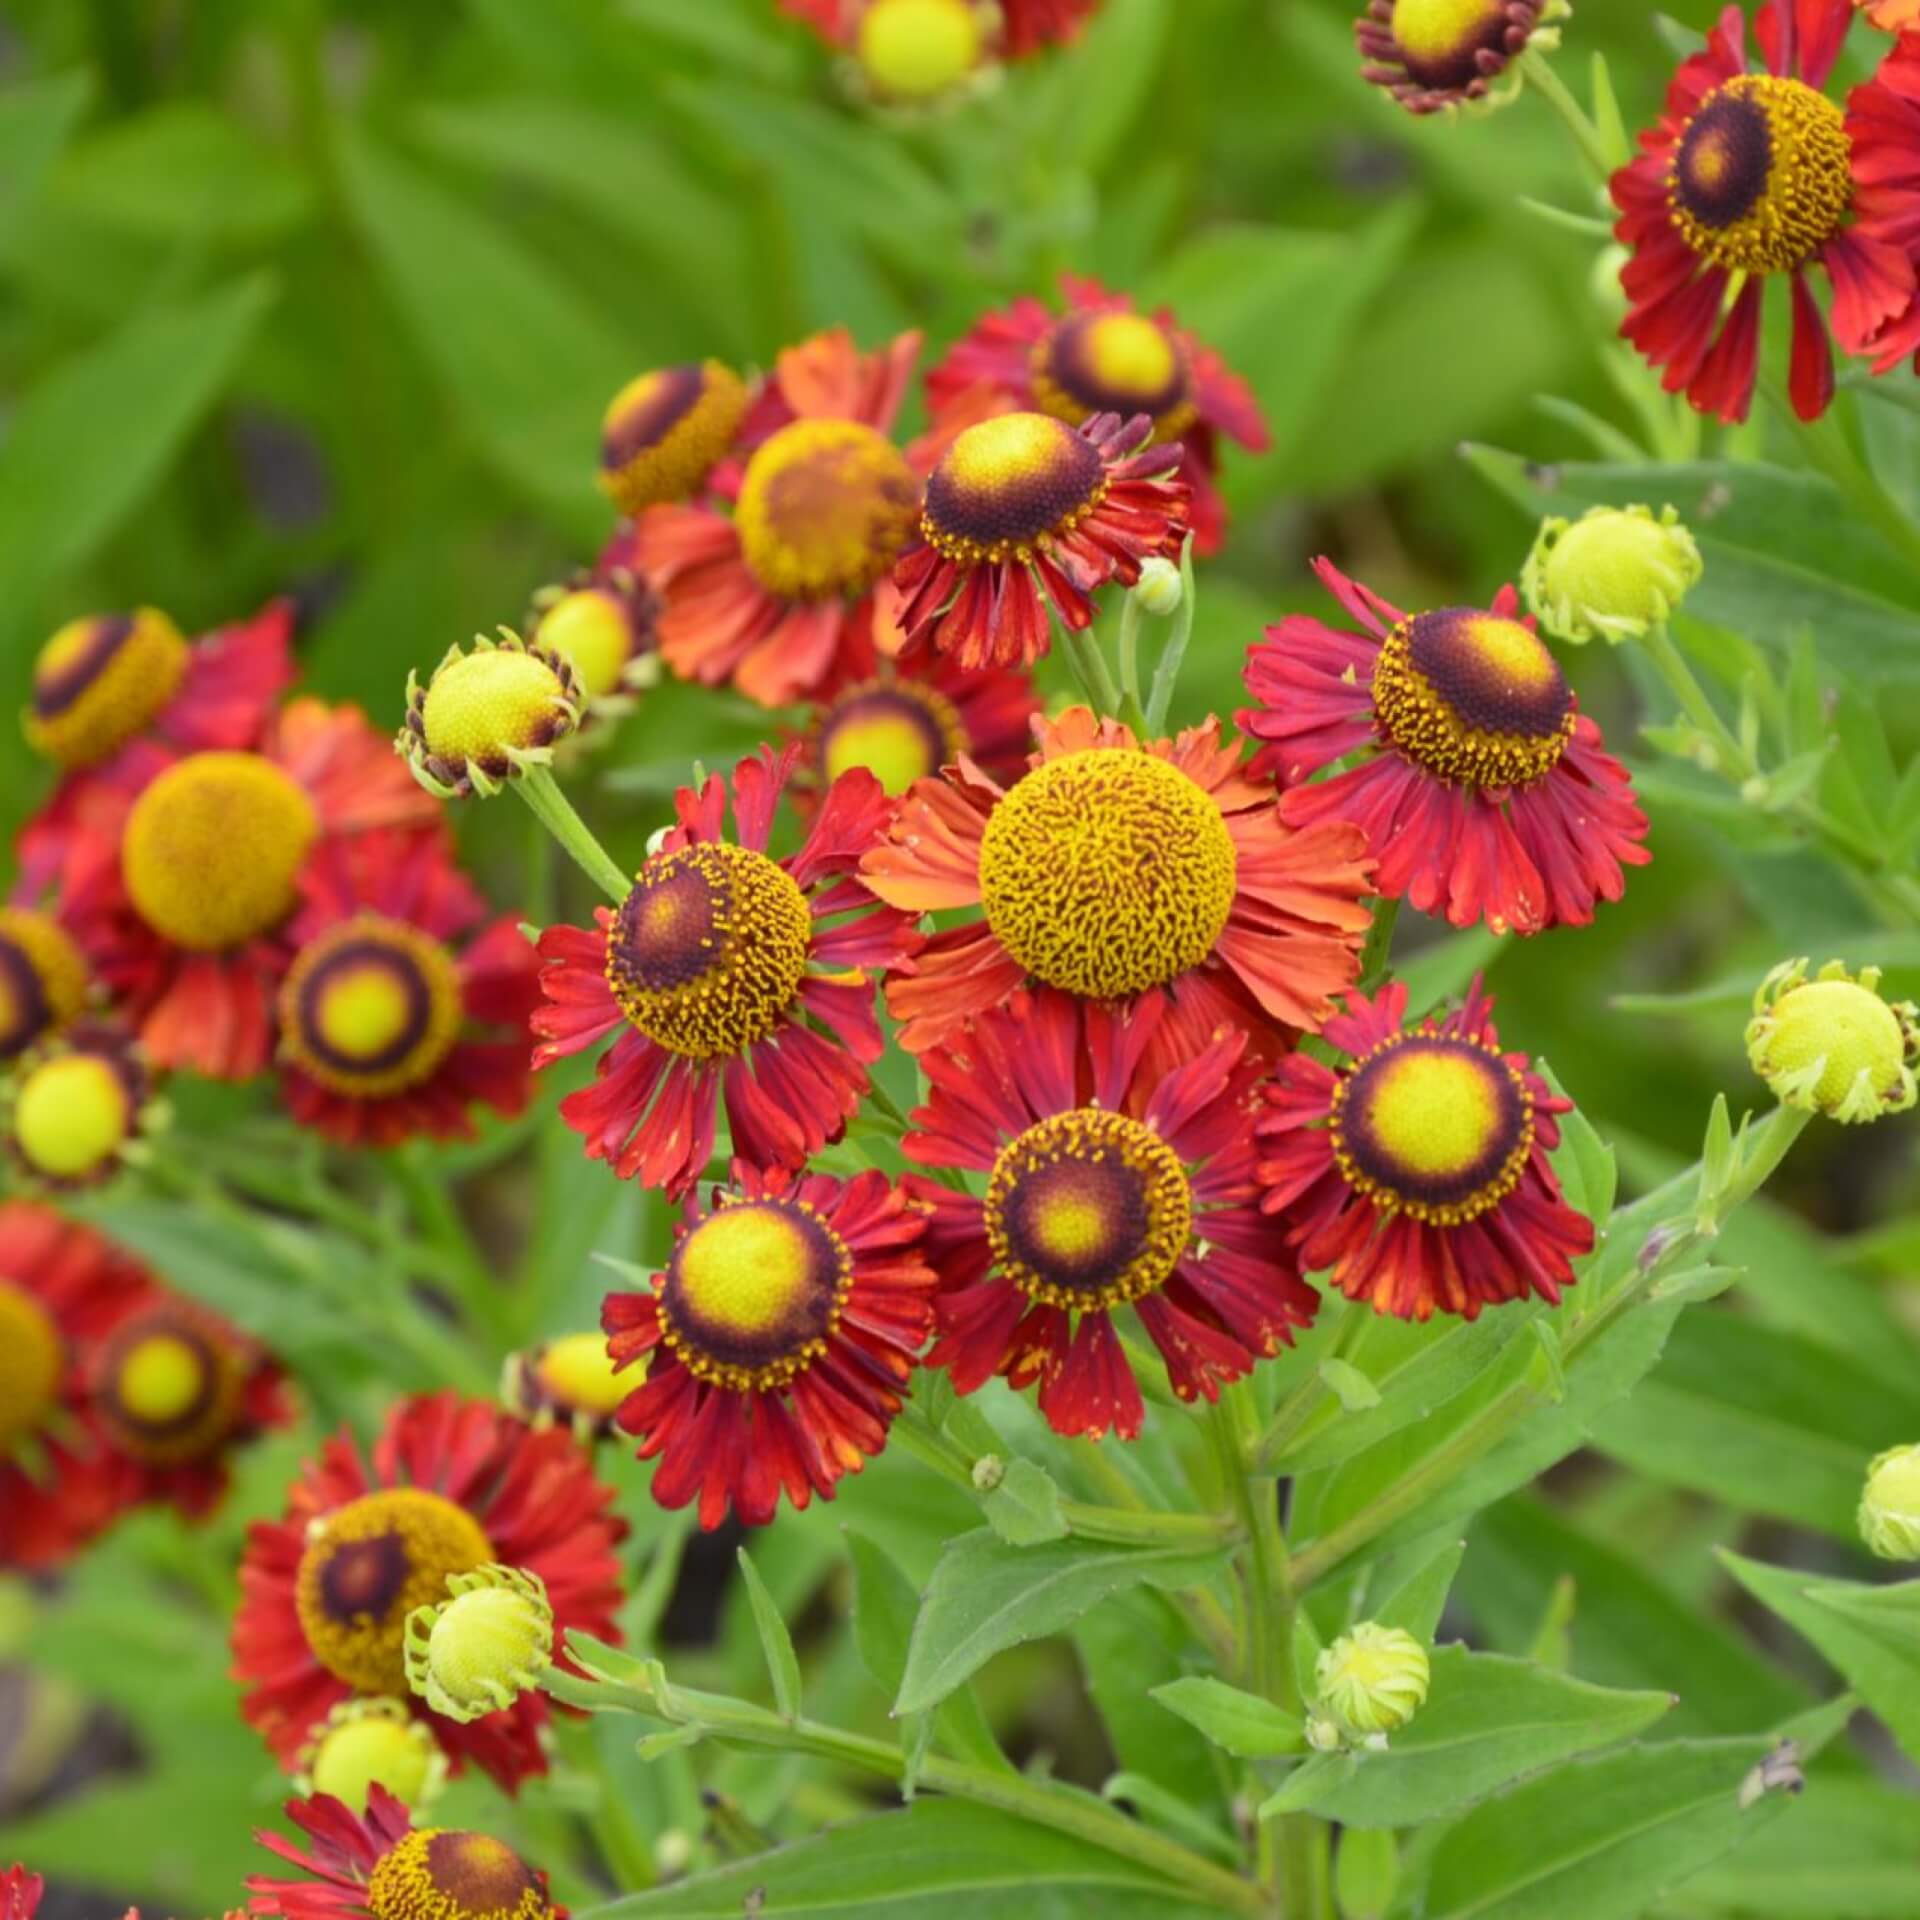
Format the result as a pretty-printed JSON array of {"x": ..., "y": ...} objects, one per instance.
[
  {"x": 1483, "y": 791},
  {"x": 731, "y": 977},
  {"x": 393, "y": 972},
  {"x": 781, "y": 1335},
  {"x": 1026, "y": 25},
  {"x": 450, "y": 1485},
  {"x": 1416, "y": 1176},
  {"x": 1111, "y": 1181}
]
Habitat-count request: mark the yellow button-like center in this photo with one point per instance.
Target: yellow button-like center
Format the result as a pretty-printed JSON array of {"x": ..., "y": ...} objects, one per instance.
[
  {"x": 373, "y": 1742},
  {"x": 98, "y": 681},
  {"x": 915, "y": 49},
  {"x": 594, "y": 631},
  {"x": 161, "y": 1378},
  {"x": 578, "y": 1374},
  {"x": 482, "y": 704},
  {"x": 71, "y": 1115},
  {"x": 746, "y": 1269}
]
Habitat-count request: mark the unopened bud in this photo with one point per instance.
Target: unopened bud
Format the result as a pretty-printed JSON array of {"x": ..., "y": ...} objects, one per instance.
[
  {"x": 487, "y": 715},
  {"x": 1614, "y": 572},
  {"x": 1373, "y": 1679},
  {"x": 482, "y": 1649},
  {"x": 988, "y": 1471},
  {"x": 1890, "y": 1504},
  {"x": 1831, "y": 1044},
  {"x": 363, "y": 1743},
  {"x": 1159, "y": 587}
]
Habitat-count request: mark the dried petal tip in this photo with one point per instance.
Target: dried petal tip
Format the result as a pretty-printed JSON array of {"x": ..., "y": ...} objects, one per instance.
[
  {"x": 482, "y": 1649},
  {"x": 1373, "y": 1679},
  {"x": 1613, "y": 573},
  {"x": 367, "y": 1743},
  {"x": 915, "y": 50},
  {"x": 487, "y": 715},
  {"x": 1890, "y": 1504},
  {"x": 1831, "y": 1044}
]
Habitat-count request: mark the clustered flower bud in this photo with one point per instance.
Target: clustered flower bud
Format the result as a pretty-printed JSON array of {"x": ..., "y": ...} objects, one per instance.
[
  {"x": 1890, "y": 1504},
  {"x": 1372, "y": 1681},
  {"x": 487, "y": 715},
  {"x": 1613, "y": 573},
  {"x": 481, "y": 1649},
  {"x": 1831, "y": 1044}
]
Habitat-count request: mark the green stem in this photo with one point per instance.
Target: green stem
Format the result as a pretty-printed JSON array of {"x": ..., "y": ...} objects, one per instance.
[
  {"x": 1377, "y": 955},
  {"x": 1586, "y": 136},
  {"x": 435, "y": 1213},
  {"x": 1735, "y": 762},
  {"x": 1129, "y": 647},
  {"x": 1298, "y": 1408},
  {"x": 538, "y": 788},
  {"x": 1166, "y": 676},
  {"x": 1825, "y": 446},
  {"x": 1095, "y": 677}
]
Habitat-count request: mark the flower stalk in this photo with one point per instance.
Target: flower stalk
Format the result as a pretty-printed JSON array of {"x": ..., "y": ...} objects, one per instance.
[{"x": 541, "y": 791}]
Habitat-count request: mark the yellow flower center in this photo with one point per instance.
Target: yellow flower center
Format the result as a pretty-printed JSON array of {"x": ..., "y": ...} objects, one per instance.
[
  {"x": 1010, "y": 485},
  {"x": 480, "y": 1650},
  {"x": 665, "y": 429},
  {"x": 709, "y": 949},
  {"x": 1435, "y": 1127},
  {"x": 576, "y": 1373},
  {"x": 435, "y": 1873},
  {"x": 31, "y": 1358},
  {"x": 71, "y": 1115},
  {"x": 825, "y": 507},
  {"x": 1853, "y": 1028},
  {"x": 43, "y": 978},
  {"x": 1088, "y": 1209},
  {"x": 1107, "y": 872},
  {"x": 365, "y": 1742},
  {"x": 1123, "y": 363},
  {"x": 168, "y": 1384},
  {"x": 367, "y": 1565},
  {"x": 1439, "y": 41},
  {"x": 593, "y": 629},
  {"x": 1762, "y": 176},
  {"x": 98, "y": 681},
  {"x": 492, "y": 701},
  {"x": 370, "y": 1008},
  {"x": 917, "y": 49},
  {"x": 213, "y": 847},
  {"x": 898, "y": 730},
  {"x": 1472, "y": 697},
  {"x": 754, "y": 1292}
]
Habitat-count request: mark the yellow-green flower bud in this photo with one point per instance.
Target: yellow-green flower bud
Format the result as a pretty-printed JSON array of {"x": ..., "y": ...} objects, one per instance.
[
  {"x": 487, "y": 715},
  {"x": 368, "y": 1742},
  {"x": 915, "y": 50},
  {"x": 1614, "y": 572},
  {"x": 1890, "y": 1504},
  {"x": 484, "y": 1647},
  {"x": 1160, "y": 587},
  {"x": 1831, "y": 1044},
  {"x": 1373, "y": 1679}
]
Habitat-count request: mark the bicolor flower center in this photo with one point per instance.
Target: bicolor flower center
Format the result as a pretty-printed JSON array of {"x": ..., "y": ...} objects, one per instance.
[
  {"x": 1106, "y": 362},
  {"x": 212, "y": 849},
  {"x": 899, "y": 730},
  {"x": 31, "y": 1357},
  {"x": 1009, "y": 486},
  {"x": 917, "y": 49},
  {"x": 168, "y": 1384},
  {"x": 593, "y": 627},
  {"x": 98, "y": 681},
  {"x": 754, "y": 1292},
  {"x": 1762, "y": 177},
  {"x": 434, "y": 1873},
  {"x": 1433, "y": 1126},
  {"x": 664, "y": 430},
  {"x": 367, "y": 1565},
  {"x": 490, "y": 703},
  {"x": 369, "y": 1741},
  {"x": 1088, "y": 1209},
  {"x": 709, "y": 949},
  {"x": 825, "y": 507},
  {"x": 1440, "y": 41},
  {"x": 43, "y": 978},
  {"x": 1473, "y": 697},
  {"x": 370, "y": 1008},
  {"x": 72, "y": 1114},
  {"x": 1107, "y": 872}
]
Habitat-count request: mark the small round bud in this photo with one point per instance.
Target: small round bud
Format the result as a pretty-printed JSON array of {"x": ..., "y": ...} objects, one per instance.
[
  {"x": 988, "y": 1471},
  {"x": 1608, "y": 294},
  {"x": 1890, "y": 1504},
  {"x": 487, "y": 715},
  {"x": 1614, "y": 572},
  {"x": 1160, "y": 587},
  {"x": 1373, "y": 1679},
  {"x": 606, "y": 629},
  {"x": 482, "y": 1649},
  {"x": 913, "y": 50},
  {"x": 1831, "y": 1044},
  {"x": 78, "y": 1107},
  {"x": 573, "y": 1379},
  {"x": 365, "y": 1742},
  {"x": 1324, "y": 1735}
]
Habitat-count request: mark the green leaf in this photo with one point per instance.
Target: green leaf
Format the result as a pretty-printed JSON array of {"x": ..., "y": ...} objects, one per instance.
[
  {"x": 1355, "y": 1392},
  {"x": 938, "y": 1857},
  {"x": 1488, "y": 1721},
  {"x": 783, "y": 1664},
  {"x": 1241, "y": 1723},
  {"x": 1410, "y": 1590},
  {"x": 1608, "y": 1839},
  {"x": 34, "y": 124},
  {"x": 1365, "y": 1872},
  {"x": 1872, "y": 1634},
  {"x": 986, "y": 1596},
  {"x": 1024, "y": 1509},
  {"x": 1844, "y": 1851}
]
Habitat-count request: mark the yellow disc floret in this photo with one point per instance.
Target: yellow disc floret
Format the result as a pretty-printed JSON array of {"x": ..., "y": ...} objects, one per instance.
[
  {"x": 212, "y": 849},
  {"x": 168, "y": 1383},
  {"x": 43, "y": 978},
  {"x": 487, "y": 714},
  {"x": 899, "y": 730},
  {"x": 1439, "y": 41},
  {"x": 709, "y": 949},
  {"x": 1088, "y": 1209},
  {"x": 436, "y": 1873},
  {"x": 483, "y": 1647},
  {"x": 1110, "y": 361},
  {"x": 1832, "y": 1045},
  {"x": 1107, "y": 872},
  {"x": 576, "y": 1374},
  {"x": 1473, "y": 697},
  {"x": 754, "y": 1292},
  {"x": 1373, "y": 1679},
  {"x": 665, "y": 429},
  {"x": 1010, "y": 487},
  {"x": 367, "y": 1565},
  {"x": 72, "y": 1115},
  {"x": 98, "y": 681},
  {"x": 1615, "y": 572},
  {"x": 31, "y": 1359},
  {"x": 918, "y": 49},
  {"x": 364, "y": 1743},
  {"x": 825, "y": 508},
  {"x": 594, "y": 629},
  {"x": 1762, "y": 176}
]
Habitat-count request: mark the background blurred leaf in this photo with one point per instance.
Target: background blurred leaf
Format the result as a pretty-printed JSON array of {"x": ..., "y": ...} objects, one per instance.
[{"x": 35, "y": 121}]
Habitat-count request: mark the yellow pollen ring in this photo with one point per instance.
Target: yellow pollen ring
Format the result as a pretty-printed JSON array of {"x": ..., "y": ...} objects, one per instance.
[
  {"x": 1009, "y": 487},
  {"x": 43, "y": 978},
  {"x": 665, "y": 429},
  {"x": 213, "y": 847},
  {"x": 99, "y": 681},
  {"x": 32, "y": 1357},
  {"x": 1107, "y": 872},
  {"x": 436, "y": 1873},
  {"x": 1114, "y": 362},
  {"x": 72, "y": 1114}
]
